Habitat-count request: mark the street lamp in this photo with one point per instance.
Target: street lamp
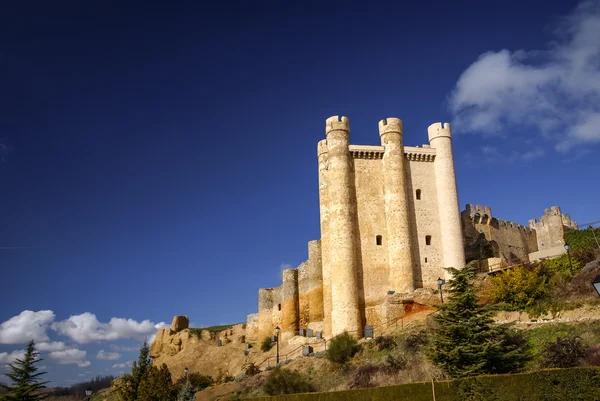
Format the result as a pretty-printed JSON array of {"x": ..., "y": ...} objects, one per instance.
[
  {"x": 88, "y": 392},
  {"x": 567, "y": 247},
  {"x": 185, "y": 371},
  {"x": 277, "y": 337},
  {"x": 441, "y": 282},
  {"x": 596, "y": 284}
]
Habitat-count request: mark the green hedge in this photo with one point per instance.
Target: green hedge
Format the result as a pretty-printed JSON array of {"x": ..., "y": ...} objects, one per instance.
[
  {"x": 575, "y": 384},
  {"x": 582, "y": 239}
]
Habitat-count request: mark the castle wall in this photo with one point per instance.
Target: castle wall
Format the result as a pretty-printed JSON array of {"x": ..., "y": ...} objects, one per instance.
[
  {"x": 290, "y": 314},
  {"x": 310, "y": 286},
  {"x": 551, "y": 228},
  {"x": 269, "y": 310}
]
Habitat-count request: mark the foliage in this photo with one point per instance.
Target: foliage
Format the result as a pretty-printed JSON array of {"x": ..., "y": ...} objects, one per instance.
[
  {"x": 582, "y": 239},
  {"x": 465, "y": 341},
  {"x": 283, "y": 381},
  {"x": 78, "y": 389},
  {"x": 342, "y": 348},
  {"x": 251, "y": 369},
  {"x": 156, "y": 385},
  {"x": 565, "y": 352},
  {"x": 197, "y": 380},
  {"x": 266, "y": 344},
  {"x": 25, "y": 377},
  {"x": 363, "y": 375},
  {"x": 187, "y": 392},
  {"x": 518, "y": 288},
  {"x": 414, "y": 341},
  {"x": 127, "y": 386},
  {"x": 211, "y": 329},
  {"x": 574, "y": 384},
  {"x": 384, "y": 343}
]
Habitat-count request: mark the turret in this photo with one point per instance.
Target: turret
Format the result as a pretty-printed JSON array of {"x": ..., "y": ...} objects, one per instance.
[
  {"x": 290, "y": 318},
  {"x": 324, "y": 217},
  {"x": 341, "y": 216},
  {"x": 396, "y": 206},
  {"x": 440, "y": 138}
]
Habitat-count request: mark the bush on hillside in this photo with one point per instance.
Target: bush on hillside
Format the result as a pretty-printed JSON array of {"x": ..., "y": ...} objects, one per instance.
[
  {"x": 565, "y": 352},
  {"x": 415, "y": 341},
  {"x": 583, "y": 239},
  {"x": 342, "y": 348},
  {"x": 266, "y": 344},
  {"x": 362, "y": 377},
  {"x": 283, "y": 381},
  {"x": 156, "y": 385},
  {"x": 197, "y": 381},
  {"x": 384, "y": 343},
  {"x": 518, "y": 289}
]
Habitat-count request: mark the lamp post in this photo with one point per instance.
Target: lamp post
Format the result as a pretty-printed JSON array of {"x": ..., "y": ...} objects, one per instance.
[
  {"x": 567, "y": 247},
  {"x": 441, "y": 282},
  {"x": 277, "y": 338},
  {"x": 185, "y": 371},
  {"x": 88, "y": 392},
  {"x": 596, "y": 284}
]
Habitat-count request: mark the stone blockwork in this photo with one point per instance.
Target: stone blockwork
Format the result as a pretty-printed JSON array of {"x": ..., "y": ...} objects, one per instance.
[
  {"x": 390, "y": 223},
  {"x": 502, "y": 243}
]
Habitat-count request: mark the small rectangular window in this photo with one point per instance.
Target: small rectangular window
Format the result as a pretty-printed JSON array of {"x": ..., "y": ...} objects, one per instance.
[
  {"x": 379, "y": 240},
  {"x": 425, "y": 260},
  {"x": 278, "y": 306},
  {"x": 418, "y": 194},
  {"x": 428, "y": 240}
]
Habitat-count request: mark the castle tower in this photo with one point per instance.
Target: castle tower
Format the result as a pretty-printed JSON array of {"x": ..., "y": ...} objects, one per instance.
[
  {"x": 440, "y": 138},
  {"x": 341, "y": 209},
  {"x": 324, "y": 213},
  {"x": 396, "y": 206},
  {"x": 290, "y": 305}
]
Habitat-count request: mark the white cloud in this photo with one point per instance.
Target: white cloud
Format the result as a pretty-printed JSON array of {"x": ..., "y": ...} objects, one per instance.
[
  {"x": 86, "y": 328},
  {"x": 108, "y": 356},
  {"x": 10, "y": 358},
  {"x": 51, "y": 346},
  {"x": 554, "y": 92},
  {"x": 71, "y": 356},
  {"x": 26, "y": 326},
  {"x": 123, "y": 365}
]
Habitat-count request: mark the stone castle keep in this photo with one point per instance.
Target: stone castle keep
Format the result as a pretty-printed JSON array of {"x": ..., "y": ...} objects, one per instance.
[{"x": 390, "y": 222}]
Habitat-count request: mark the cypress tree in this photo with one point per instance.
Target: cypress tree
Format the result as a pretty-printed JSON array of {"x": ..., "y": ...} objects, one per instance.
[
  {"x": 466, "y": 342},
  {"x": 25, "y": 377}
]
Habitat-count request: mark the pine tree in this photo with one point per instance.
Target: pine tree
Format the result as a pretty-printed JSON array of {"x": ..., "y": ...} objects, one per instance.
[
  {"x": 466, "y": 342},
  {"x": 128, "y": 385},
  {"x": 187, "y": 392},
  {"x": 25, "y": 377},
  {"x": 156, "y": 385}
]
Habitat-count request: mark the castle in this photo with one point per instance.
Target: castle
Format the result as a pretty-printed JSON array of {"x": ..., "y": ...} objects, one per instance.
[{"x": 390, "y": 223}]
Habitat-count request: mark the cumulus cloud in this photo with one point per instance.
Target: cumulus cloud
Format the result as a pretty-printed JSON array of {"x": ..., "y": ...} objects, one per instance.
[
  {"x": 108, "y": 356},
  {"x": 26, "y": 326},
  {"x": 123, "y": 365},
  {"x": 71, "y": 356},
  {"x": 51, "y": 346},
  {"x": 555, "y": 92},
  {"x": 86, "y": 328},
  {"x": 6, "y": 358}
]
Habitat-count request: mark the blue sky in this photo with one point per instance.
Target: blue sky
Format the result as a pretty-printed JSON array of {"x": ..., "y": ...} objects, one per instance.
[{"x": 160, "y": 159}]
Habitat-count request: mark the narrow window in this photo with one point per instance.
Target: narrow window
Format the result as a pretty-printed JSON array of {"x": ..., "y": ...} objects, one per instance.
[
  {"x": 418, "y": 194},
  {"x": 428, "y": 240},
  {"x": 278, "y": 306},
  {"x": 379, "y": 240},
  {"x": 425, "y": 260}
]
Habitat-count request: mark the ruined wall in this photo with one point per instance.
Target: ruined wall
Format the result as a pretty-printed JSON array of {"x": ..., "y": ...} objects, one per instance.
[
  {"x": 551, "y": 228},
  {"x": 269, "y": 310},
  {"x": 290, "y": 314},
  {"x": 310, "y": 288},
  {"x": 511, "y": 242}
]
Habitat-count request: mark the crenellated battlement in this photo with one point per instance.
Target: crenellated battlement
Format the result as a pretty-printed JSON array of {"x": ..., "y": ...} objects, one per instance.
[
  {"x": 337, "y": 123},
  {"x": 389, "y": 125},
  {"x": 437, "y": 130},
  {"x": 322, "y": 147},
  {"x": 479, "y": 214}
]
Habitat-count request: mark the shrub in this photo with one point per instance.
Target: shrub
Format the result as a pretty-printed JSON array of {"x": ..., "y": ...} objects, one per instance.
[
  {"x": 517, "y": 289},
  {"x": 197, "y": 380},
  {"x": 266, "y": 345},
  {"x": 384, "y": 343},
  {"x": 283, "y": 381},
  {"x": 415, "y": 341},
  {"x": 395, "y": 364},
  {"x": 363, "y": 375},
  {"x": 566, "y": 352},
  {"x": 223, "y": 376},
  {"x": 156, "y": 385},
  {"x": 342, "y": 348},
  {"x": 582, "y": 239},
  {"x": 251, "y": 369}
]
